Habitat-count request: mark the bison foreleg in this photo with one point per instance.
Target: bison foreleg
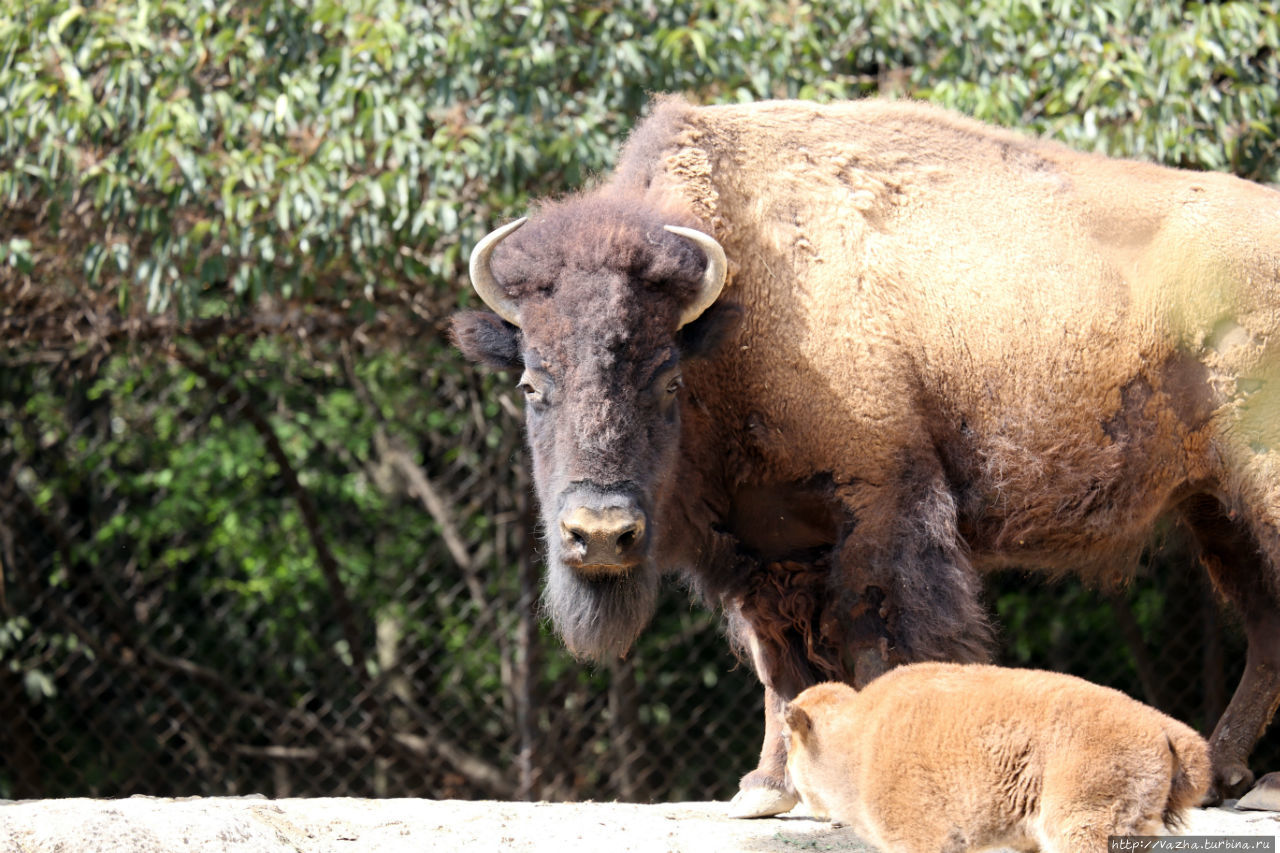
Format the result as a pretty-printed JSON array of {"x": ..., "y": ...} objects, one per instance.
[
  {"x": 766, "y": 791},
  {"x": 904, "y": 553}
]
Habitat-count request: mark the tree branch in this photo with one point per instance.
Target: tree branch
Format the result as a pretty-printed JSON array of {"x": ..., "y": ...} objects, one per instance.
[{"x": 302, "y": 498}]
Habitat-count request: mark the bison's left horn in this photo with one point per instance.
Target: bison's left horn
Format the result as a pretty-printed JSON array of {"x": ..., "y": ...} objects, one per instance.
[
  {"x": 712, "y": 278},
  {"x": 482, "y": 278}
]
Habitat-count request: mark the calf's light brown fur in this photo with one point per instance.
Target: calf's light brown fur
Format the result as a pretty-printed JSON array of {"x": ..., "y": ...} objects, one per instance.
[{"x": 952, "y": 757}]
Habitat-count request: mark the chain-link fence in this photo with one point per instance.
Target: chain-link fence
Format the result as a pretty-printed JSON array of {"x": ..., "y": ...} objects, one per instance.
[{"x": 306, "y": 568}]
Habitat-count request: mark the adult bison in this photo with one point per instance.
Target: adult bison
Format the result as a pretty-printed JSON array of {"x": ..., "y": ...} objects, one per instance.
[{"x": 832, "y": 362}]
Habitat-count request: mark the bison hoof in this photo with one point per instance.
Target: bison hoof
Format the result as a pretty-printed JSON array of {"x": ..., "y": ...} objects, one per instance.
[
  {"x": 1229, "y": 781},
  {"x": 1265, "y": 795},
  {"x": 761, "y": 802}
]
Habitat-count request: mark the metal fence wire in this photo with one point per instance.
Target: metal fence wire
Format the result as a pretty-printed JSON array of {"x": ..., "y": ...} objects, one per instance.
[{"x": 307, "y": 568}]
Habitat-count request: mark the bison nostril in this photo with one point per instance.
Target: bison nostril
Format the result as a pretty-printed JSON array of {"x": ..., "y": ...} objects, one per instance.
[
  {"x": 627, "y": 539},
  {"x": 573, "y": 537}
]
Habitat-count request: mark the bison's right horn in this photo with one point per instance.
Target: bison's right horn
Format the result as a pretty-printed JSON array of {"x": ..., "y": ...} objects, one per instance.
[
  {"x": 712, "y": 278},
  {"x": 482, "y": 278}
]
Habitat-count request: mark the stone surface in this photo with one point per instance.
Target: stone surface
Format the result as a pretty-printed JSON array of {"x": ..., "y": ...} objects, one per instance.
[{"x": 250, "y": 825}]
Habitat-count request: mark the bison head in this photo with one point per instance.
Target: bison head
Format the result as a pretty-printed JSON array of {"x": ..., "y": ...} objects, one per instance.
[{"x": 597, "y": 303}]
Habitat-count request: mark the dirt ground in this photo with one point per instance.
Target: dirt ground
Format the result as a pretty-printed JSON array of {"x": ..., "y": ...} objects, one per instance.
[{"x": 252, "y": 824}]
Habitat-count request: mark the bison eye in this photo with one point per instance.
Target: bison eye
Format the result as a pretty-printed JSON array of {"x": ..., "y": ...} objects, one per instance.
[{"x": 675, "y": 384}]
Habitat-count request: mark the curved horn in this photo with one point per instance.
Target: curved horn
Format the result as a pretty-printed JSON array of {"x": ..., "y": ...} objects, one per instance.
[
  {"x": 482, "y": 278},
  {"x": 712, "y": 278}
]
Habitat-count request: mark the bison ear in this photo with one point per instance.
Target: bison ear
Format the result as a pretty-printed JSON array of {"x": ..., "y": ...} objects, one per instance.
[
  {"x": 703, "y": 336},
  {"x": 797, "y": 720},
  {"x": 487, "y": 338}
]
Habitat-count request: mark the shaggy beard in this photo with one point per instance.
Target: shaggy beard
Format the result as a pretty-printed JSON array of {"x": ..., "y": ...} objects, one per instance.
[{"x": 600, "y": 617}]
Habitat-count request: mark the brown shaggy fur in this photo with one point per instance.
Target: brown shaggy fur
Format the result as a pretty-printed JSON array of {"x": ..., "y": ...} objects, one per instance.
[
  {"x": 943, "y": 349},
  {"x": 945, "y": 757}
]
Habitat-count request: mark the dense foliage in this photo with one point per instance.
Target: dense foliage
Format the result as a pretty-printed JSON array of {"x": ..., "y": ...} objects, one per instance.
[
  {"x": 231, "y": 232},
  {"x": 337, "y": 150}
]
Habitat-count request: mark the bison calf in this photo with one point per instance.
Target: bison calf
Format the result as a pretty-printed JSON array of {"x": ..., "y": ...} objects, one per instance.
[{"x": 955, "y": 757}]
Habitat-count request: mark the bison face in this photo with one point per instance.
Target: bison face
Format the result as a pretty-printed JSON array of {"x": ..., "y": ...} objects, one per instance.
[{"x": 599, "y": 331}]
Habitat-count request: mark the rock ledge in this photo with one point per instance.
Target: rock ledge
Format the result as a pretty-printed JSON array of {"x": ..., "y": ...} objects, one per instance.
[{"x": 333, "y": 825}]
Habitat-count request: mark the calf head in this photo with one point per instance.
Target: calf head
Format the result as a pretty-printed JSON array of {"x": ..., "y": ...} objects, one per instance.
[
  {"x": 598, "y": 302},
  {"x": 817, "y": 726}
]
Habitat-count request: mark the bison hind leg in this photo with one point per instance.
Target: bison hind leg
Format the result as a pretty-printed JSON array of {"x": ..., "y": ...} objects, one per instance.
[{"x": 1243, "y": 560}]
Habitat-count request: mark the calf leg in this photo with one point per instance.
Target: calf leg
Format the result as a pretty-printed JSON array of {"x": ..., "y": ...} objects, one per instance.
[
  {"x": 1244, "y": 575},
  {"x": 1082, "y": 831}
]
